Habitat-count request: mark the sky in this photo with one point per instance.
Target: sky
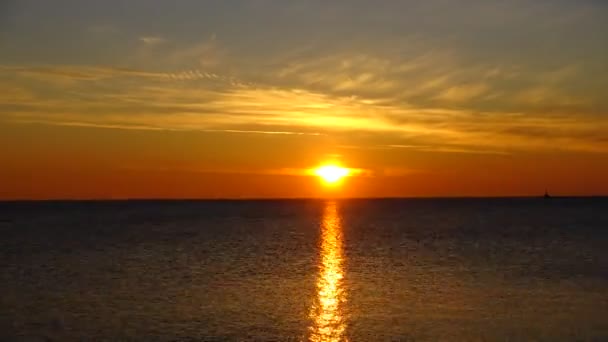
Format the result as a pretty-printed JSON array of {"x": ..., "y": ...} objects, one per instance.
[{"x": 238, "y": 99}]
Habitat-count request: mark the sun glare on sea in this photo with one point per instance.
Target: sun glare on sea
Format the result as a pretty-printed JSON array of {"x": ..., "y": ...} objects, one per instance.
[
  {"x": 331, "y": 174},
  {"x": 328, "y": 309}
]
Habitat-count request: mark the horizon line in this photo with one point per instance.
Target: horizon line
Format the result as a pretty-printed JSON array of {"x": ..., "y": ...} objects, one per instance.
[{"x": 209, "y": 199}]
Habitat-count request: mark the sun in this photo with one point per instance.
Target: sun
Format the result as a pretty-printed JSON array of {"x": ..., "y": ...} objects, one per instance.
[{"x": 331, "y": 174}]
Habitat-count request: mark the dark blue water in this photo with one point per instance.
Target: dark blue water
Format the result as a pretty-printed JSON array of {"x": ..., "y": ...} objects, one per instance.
[{"x": 358, "y": 270}]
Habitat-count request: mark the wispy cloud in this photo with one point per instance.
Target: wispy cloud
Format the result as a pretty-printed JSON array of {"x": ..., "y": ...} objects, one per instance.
[
  {"x": 443, "y": 87},
  {"x": 231, "y": 108},
  {"x": 207, "y": 53},
  {"x": 446, "y": 149},
  {"x": 76, "y": 73},
  {"x": 150, "y": 128},
  {"x": 152, "y": 40},
  {"x": 463, "y": 93}
]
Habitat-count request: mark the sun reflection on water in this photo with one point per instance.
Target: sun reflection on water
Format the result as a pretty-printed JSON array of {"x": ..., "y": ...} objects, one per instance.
[{"x": 327, "y": 311}]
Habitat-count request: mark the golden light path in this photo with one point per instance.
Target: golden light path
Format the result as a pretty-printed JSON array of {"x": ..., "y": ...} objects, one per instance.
[{"x": 329, "y": 323}]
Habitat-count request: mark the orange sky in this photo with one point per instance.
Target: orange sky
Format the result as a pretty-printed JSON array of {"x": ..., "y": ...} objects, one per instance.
[
  {"x": 239, "y": 99},
  {"x": 95, "y": 163}
]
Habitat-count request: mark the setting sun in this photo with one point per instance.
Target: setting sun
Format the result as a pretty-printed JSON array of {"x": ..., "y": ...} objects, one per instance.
[{"x": 332, "y": 174}]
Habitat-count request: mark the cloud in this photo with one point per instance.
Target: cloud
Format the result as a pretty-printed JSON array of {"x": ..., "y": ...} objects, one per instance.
[
  {"x": 481, "y": 77},
  {"x": 238, "y": 108},
  {"x": 76, "y": 73},
  {"x": 152, "y": 40},
  {"x": 447, "y": 149},
  {"x": 462, "y": 93},
  {"x": 150, "y": 128},
  {"x": 11, "y": 93},
  {"x": 205, "y": 54}
]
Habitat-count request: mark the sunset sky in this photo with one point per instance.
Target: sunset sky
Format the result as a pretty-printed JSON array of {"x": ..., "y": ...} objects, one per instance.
[{"x": 239, "y": 99}]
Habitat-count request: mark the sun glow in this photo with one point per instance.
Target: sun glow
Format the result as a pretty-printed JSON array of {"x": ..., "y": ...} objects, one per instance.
[{"x": 332, "y": 174}]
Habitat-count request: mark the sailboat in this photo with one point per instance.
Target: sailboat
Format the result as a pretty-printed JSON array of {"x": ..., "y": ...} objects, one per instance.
[{"x": 546, "y": 196}]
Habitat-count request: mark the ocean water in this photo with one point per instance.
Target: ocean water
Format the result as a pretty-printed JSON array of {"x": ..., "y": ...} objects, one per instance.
[{"x": 300, "y": 270}]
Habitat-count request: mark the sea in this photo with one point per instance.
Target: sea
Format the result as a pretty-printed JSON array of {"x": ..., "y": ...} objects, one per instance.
[{"x": 473, "y": 269}]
